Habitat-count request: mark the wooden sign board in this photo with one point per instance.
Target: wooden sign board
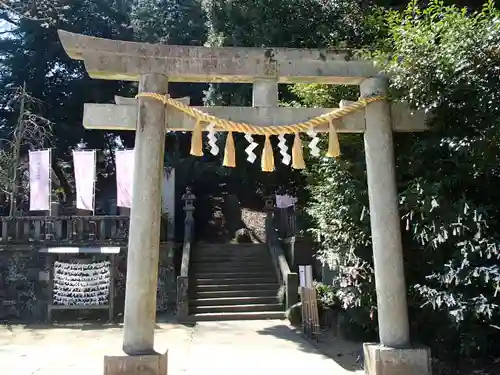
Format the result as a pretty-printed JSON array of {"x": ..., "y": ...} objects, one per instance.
[{"x": 310, "y": 317}]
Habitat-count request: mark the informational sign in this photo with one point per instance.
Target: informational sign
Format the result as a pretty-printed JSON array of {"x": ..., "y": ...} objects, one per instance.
[
  {"x": 310, "y": 317},
  {"x": 308, "y": 277},
  {"x": 302, "y": 276}
]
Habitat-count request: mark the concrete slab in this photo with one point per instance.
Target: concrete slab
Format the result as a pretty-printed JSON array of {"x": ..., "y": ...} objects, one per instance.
[
  {"x": 80, "y": 349},
  {"x": 256, "y": 347},
  {"x": 209, "y": 348}
]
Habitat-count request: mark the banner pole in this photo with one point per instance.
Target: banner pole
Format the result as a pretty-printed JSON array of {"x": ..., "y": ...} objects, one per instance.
[
  {"x": 50, "y": 182},
  {"x": 95, "y": 178}
]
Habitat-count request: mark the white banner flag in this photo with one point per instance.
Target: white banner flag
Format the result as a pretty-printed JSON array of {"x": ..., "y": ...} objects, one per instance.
[
  {"x": 285, "y": 201},
  {"x": 85, "y": 173},
  {"x": 39, "y": 176},
  {"x": 124, "y": 161}
]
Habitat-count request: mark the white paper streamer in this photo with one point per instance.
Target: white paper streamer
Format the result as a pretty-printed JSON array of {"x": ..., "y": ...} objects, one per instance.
[
  {"x": 81, "y": 284},
  {"x": 212, "y": 140},
  {"x": 284, "y": 150},
  {"x": 313, "y": 145},
  {"x": 249, "y": 150}
]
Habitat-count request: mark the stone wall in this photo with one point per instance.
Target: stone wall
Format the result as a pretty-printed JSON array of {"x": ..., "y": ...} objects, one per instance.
[{"x": 24, "y": 297}]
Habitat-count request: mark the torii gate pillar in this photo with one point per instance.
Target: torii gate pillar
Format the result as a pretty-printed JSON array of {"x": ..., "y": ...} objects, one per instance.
[
  {"x": 144, "y": 239},
  {"x": 394, "y": 354},
  {"x": 144, "y": 233},
  {"x": 384, "y": 219}
]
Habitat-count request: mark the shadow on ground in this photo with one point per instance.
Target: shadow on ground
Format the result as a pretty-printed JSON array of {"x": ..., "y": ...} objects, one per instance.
[
  {"x": 87, "y": 325},
  {"x": 344, "y": 353}
]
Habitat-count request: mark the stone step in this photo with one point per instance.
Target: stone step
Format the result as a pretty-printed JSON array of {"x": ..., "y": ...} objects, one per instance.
[
  {"x": 249, "y": 280},
  {"x": 214, "y": 317},
  {"x": 236, "y": 301},
  {"x": 236, "y": 308},
  {"x": 247, "y": 262},
  {"x": 231, "y": 260},
  {"x": 228, "y": 251},
  {"x": 222, "y": 286},
  {"x": 197, "y": 269},
  {"x": 197, "y": 294},
  {"x": 235, "y": 275},
  {"x": 231, "y": 246}
]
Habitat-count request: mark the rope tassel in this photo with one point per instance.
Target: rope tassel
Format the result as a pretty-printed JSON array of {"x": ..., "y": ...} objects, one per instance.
[
  {"x": 229, "y": 153},
  {"x": 196, "y": 140},
  {"x": 333, "y": 141},
  {"x": 297, "y": 154},
  {"x": 267, "y": 156}
]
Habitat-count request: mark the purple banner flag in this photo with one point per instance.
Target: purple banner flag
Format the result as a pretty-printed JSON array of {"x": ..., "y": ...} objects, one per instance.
[
  {"x": 39, "y": 176},
  {"x": 85, "y": 169},
  {"x": 124, "y": 160}
]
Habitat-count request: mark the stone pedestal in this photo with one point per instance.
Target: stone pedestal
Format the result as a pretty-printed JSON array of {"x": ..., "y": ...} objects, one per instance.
[
  {"x": 136, "y": 365},
  {"x": 381, "y": 360}
]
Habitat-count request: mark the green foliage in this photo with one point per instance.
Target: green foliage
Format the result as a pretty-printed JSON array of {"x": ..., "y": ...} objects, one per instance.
[
  {"x": 327, "y": 299},
  {"x": 169, "y": 22},
  {"x": 31, "y": 53},
  {"x": 445, "y": 60},
  {"x": 279, "y": 23}
]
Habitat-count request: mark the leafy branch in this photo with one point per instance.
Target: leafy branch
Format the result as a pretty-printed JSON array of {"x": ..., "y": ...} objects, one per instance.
[
  {"x": 32, "y": 131},
  {"x": 46, "y": 11}
]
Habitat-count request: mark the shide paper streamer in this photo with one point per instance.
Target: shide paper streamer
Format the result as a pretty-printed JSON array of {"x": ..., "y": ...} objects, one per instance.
[{"x": 81, "y": 284}]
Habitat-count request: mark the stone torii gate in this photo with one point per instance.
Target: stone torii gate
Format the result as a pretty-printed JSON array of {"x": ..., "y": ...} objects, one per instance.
[{"x": 154, "y": 66}]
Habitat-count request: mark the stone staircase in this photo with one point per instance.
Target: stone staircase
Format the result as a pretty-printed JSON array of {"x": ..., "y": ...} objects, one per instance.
[{"x": 233, "y": 282}]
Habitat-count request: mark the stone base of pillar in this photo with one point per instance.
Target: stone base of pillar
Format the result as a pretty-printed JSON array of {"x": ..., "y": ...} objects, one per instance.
[
  {"x": 136, "y": 365},
  {"x": 380, "y": 360}
]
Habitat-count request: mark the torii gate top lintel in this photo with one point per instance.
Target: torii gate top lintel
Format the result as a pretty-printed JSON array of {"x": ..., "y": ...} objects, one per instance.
[{"x": 122, "y": 60}]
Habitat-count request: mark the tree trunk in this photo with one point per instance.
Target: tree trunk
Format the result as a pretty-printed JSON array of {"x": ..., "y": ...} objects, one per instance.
[{"x": 18, "y": 136}]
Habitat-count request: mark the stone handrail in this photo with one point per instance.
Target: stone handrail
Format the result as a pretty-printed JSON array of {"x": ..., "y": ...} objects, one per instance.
[
  {"x": 186, "y": 252},
  {"x": 38, "y": 231},
  {"x": 288, "y": 279},
  {"x": 183, "y": 278}
]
